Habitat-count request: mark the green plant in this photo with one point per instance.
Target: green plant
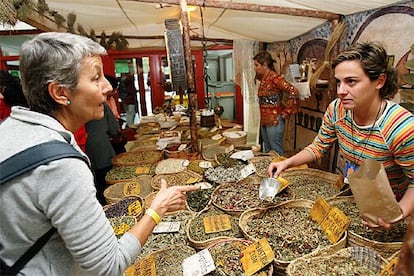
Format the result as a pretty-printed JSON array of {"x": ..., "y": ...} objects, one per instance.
[{"x": 409, "y": 77}]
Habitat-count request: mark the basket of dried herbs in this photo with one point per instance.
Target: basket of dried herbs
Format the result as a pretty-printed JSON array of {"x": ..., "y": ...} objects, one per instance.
[
  {"x": 226, "y": 255},
  {"x": 121, "y": 225},
  {"x": 236, "y": 197},
  {"x": 148, "y": 128},
  {"x": 176, "y": 179},
  {"x": 200, "y": 166},
  {"x": 209, "y": 152},
  {"x": 200, "y": 199},
  {"x": 220, "y": 174},
  {"x": 347, "y": 261},
  {"x": 127, "y": 206},
  {"x": 160, "y": 239},
  {"x": 174, "y": 149},
  {"x": 128, "y": 173},
  {"x": 224, "y": 159},
  {"x": 167, "y": 262},
  {"x": 171, "y": 165},
  {"x": 140, "y": 186},
  {"x": 200, "y": 237},
  {"x": 138, "y": 157},
  {"x": 313, "y": 183},
  {"x": 385, "y": 242},
  {"x": 289, "y": 229}
]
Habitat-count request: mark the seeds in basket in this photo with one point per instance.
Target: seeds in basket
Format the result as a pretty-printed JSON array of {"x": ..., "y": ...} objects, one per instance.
[
  {"x": 162, "y": 240},
  {"x": 198, "y": 200},
  {"x": 176, "y": 179},
  {"x": 289, "y": 230},
  {"x": 137, "y": 158},
  {"x": 197, "y": 234},
  {"x": 221, "y": 174},
  {"x": 128, "y": 206},
  {"x": 121, "y": 225},
  {"x": 118, "y": 174},
  {"x": 312, "y": 183}
]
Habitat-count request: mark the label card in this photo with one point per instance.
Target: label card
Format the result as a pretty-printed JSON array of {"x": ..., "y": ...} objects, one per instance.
[
  {"x": 320, "y": 210},
  {"x": 121, "y": 228},
  {"x": 335, "y": 224},
  {"x": 167, "y": 227},
  {"x": 213, "y": 129},
  {"x": 218, "y": 223},
  {"x": 198, "y": 264},
  {"x": 256, "y": 256},
  {"x": 205, "y": 164},
  {"x": 248, "y": 170},
  {"x": 390, "y": 267},
  {"x": 192, "y": 180},
  {"x": 182, "y": 146},
  {"x": 216, "y": 137},
  {"x": 135, "y": 208},
  {"x": 132, "y": 189},
  {"x": 145, "y": 267},
  {"x": 142, "y": 170}
]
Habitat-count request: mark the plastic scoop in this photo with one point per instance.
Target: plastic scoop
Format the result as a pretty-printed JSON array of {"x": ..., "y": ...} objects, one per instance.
[{"x": 270, "y": 187}]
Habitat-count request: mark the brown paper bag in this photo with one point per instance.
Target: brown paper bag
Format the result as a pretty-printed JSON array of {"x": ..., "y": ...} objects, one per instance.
[{"x": 373, "y": 194}]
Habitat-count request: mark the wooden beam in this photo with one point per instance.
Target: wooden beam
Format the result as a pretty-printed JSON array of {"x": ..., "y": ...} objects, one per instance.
[
  {"x": 43, "y": 22},
  {"x": 250, "y": 7}
]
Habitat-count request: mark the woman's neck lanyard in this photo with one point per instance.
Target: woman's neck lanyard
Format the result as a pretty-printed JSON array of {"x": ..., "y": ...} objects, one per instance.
[{"x": 366, "y": 140}]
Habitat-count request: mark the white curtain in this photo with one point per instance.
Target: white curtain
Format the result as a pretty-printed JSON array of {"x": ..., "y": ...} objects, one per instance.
[{"x": 243, "y": 53}]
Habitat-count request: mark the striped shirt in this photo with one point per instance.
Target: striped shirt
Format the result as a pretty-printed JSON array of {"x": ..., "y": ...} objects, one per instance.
[{"x": 390, "y": 141}]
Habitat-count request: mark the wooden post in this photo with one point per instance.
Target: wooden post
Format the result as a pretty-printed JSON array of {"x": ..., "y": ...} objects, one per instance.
[{"x": 190, "y": 75}]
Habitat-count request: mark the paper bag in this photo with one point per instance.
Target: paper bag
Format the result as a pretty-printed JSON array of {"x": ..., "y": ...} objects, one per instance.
[{"x": 373, "y": 194}]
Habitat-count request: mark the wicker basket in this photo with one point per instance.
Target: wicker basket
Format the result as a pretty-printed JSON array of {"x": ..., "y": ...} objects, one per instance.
[
  {"x": 244, "y": 195},
  {"x": 235, "y": 137},
  {"x": 366, "y": 257},
  {"x": 176, "y": 179},
  {"x": 202, "y": 244},
  {"x": 171, "y": 165},
  {"x": 281, "y": 265},
  {"x": 137, "y": 157},
  {"x": 125, "y": 207},
  {"x": 168, "y": 261},
  {"x": 173, "y": 149},
  {"x": 318, "y": 176},
  {"x": 209, "y": 152},
  {"x": 141, "y": 186},
  {"x": 128, "y": 173},
  {"x": 227, "y": 264},
  {"x": 385, "y": 249}
]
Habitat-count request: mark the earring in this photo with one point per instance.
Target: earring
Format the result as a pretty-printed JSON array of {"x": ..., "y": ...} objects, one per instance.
[{"x": 68, "y": 102}]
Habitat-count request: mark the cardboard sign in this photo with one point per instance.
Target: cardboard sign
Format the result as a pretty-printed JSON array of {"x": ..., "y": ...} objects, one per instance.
[
  {"x": 198, "y": 264},
  {"x": 320, "y": 210},
  {"x": 121, "y": 229},
  {"x": 256, "y": 256},
  {"x": 142, "y": 170},
  {"x": 218, "y": 223},
  {"x": 167, "y": 227},
  {"x": 135, "y": 208},
  {"x": 132, "y": 189},
  {"x": 145, "y": 267},
  {"x": 205, "y": 164},
  {"x": 248, "y": 170},
  {"x": 192, "y": 180},
  {"x": 389, "y": 269},
  {"x": 335, "y": 224}
]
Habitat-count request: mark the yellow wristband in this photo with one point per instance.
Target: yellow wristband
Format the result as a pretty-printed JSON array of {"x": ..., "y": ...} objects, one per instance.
[{"x": 154, "y": 215}]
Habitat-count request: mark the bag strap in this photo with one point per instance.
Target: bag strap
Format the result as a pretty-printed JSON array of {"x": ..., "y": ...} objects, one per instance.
[
  {"x": 25, "y": 161},
  {"x": 35, "y": 156}
]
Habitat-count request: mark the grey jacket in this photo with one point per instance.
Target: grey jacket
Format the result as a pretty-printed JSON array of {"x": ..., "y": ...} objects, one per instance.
[{"x": 60, "y": 194}]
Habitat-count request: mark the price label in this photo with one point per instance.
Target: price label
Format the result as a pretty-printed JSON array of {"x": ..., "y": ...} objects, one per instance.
[
  {"x": 135, "y": 208},
  {"x": 182, "y": 146},
  {"x": 132, "y": 189},
  {"x": 335, "y": 224},
  {"x": 217, "y": 137},
  {"x": 142, "y": 170},
  {"x": 320, "y": 210},
  {"x": 146, "y": 267},
  {"x": 389, "y": 269},
  {"x": 198, "y": 264},
  {"x": 121, "y": 228},
  {"x": 213, "y": 129},
  {"x": 229, "y": 149},
  {"x": 167, "y": 227},
  {"x": 256, "y": 256},
  {"x": 247, "y": 170},
  {"x": 205, "y": 164},
  {"x": 219, "y": 223}
]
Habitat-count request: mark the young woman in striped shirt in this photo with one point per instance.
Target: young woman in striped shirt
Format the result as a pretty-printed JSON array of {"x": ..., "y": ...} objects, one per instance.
[{"x": 365, "y": 123}]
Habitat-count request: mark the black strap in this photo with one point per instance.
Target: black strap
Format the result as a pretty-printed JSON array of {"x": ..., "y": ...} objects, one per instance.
[
  {"x": 32, "y": 157},
  {"x": 23, "y": 162}
]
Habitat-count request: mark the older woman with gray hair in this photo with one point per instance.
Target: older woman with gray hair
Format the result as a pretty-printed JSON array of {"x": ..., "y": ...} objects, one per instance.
[{"x": 63, "y": 81}]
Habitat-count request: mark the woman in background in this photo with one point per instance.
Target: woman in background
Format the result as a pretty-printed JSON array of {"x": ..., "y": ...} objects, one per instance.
[{"x": 274, "y": 107}]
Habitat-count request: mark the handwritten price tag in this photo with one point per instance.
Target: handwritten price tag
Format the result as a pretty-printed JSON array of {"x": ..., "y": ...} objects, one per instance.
[
  {"x": 320, "y": 210},
  {"x": 121, "y": 229},
  {"x": 256, "y": 256},
  {"x": 167, "y": 227},
  {"x": 135, "y": 208},
  {"x": 335, "y": 224},
  {"x": 198, "y": 264},
  {"x": 192, "y": 180},
  {"x": 132, "y": 189},
  {"x": 247, "y": 170},
  {"x": 142, "y": 170},
  {"x": 219, "y": 223}
]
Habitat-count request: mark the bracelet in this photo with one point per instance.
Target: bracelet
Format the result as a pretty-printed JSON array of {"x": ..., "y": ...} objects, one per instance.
[{"x": 154, "y": 215}]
